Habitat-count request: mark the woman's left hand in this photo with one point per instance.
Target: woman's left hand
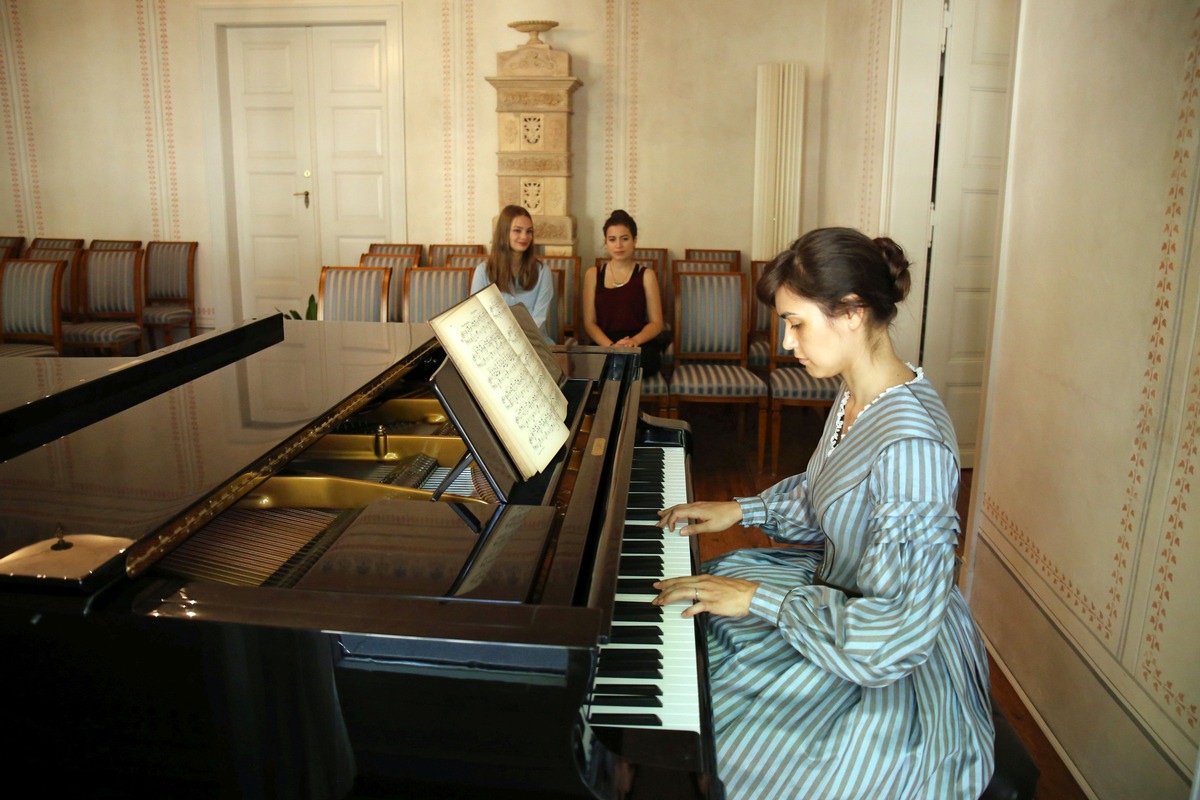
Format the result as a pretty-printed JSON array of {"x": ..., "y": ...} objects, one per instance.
[
  {"x": 625, "y": 342},
  {"x": 725, "y": 597}
]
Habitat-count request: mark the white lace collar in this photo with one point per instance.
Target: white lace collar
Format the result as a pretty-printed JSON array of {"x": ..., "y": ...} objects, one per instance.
[{"x": 838, "y": 434}]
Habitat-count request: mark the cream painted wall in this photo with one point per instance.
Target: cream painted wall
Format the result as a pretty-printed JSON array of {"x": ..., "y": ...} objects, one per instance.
[
  {"x": 110, "y": 131},
  {"x": 1085, "y": 508}
]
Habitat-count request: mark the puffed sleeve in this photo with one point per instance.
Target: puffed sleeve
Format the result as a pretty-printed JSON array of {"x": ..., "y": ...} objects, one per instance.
[
  {"x": 906, "y": 574},
  {"x": 479, "y": 278}
]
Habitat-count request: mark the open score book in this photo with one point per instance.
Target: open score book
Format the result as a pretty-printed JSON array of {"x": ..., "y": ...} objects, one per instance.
[{"x": 506, "y": 376}]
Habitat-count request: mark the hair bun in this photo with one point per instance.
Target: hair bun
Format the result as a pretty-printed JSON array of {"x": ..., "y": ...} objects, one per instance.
[{"x": 898, "y": 264}]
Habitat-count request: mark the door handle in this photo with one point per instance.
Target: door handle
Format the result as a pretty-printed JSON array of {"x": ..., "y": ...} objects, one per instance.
[{"x": 297, "y": 194}]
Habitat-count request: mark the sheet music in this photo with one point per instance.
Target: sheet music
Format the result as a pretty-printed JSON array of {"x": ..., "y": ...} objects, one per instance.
[
  {"x": 527, "y": 420},
  {"x": 495, "y": 304}
]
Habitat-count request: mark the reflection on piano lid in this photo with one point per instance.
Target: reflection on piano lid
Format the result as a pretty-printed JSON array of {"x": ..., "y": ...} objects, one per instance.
[{"x": 42, "y": 399}]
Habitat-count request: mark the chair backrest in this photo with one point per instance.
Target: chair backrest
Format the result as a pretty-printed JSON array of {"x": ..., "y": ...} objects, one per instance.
[
  {"x": 397, "y": 249},
  {"x": 431, "y": 290},
  {"x": 171, "y": 272},
  {"x": 115, "y": 244},
  {"x": 735, "y": 256},
  {"x": 764, "y": 315},
  {"x": 31, "y": 301},
  {"x": 710, "y": 313},
  {"x": 690, "y": 265},
  {"x": 398, "y": 263},
  {"x": 555, "y": 314},
  {"x": 354, "y": 294},
  {"x": 566, "y": 296},
  {"x": 70, "y": 293},
  {"x": 111, "y": 284},
  {"x": 71, "y": 244},
  {"x": 438, "y": 252},
  {"x": 465, "y": 260},
  {"x": 11, "y": 246},
  {"x": 656, "y": 254}
]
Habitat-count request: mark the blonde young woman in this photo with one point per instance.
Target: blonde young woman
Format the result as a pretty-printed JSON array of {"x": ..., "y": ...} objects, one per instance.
[
  {"x": 621, "y": 304},
  {"x": 512, "y": 266}
]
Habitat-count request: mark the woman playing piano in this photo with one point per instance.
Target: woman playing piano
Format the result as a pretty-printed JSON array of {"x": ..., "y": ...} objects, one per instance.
[
  {"x": 850, "y": 668},
  {"x": 512, "y": 266}
]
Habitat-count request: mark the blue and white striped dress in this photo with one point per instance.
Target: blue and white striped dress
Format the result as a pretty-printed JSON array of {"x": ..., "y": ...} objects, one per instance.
[{"x": 821, "y": 693}]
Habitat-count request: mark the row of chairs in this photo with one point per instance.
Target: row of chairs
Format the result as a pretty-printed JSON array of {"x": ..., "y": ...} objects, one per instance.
[{"x": 105, "y": 300}]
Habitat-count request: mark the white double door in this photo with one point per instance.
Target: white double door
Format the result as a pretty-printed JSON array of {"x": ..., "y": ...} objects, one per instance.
[{"x": 309, "y": 141}]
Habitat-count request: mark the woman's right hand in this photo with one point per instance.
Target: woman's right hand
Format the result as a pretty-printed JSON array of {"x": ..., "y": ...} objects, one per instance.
[{"x": 705, "y": 517}]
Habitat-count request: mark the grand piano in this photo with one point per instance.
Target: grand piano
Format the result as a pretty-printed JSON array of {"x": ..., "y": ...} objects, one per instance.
[{"x": 271, "y": 562}]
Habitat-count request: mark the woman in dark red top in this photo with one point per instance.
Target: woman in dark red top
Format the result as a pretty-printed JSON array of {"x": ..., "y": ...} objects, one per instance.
[{"x": 621, "y": 303}]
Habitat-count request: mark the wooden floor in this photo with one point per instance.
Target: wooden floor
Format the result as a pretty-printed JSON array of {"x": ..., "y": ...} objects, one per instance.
[{"x": 724, "y": 466}]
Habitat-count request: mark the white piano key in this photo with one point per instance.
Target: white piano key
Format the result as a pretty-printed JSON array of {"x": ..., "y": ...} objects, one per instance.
[{"x": 680, "y": 683}]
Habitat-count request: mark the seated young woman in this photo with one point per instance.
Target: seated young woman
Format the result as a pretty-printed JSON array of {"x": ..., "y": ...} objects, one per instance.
[
  {"x": 621, "y": 303},
  {"x": 512, "y": 266}
]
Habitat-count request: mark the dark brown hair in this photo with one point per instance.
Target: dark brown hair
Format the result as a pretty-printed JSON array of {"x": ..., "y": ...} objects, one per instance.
[
  {"x": 830, "y": 265},
  {"x": 500, "y": 260},
  {"x": 620, "y": 217}
]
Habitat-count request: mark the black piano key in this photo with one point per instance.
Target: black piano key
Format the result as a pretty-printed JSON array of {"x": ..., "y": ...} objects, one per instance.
[
  {"x": 648, "y": 547},
  {"x": 640, "y": 567},
  {"x": 647, "y": 474},
  {"x": 652, "y": 500},
  {"x": 636, "y": 586},
  {"x": 645, "y": 486},
  {"x": 648, "y": 514},
  {"x": 626, "y": 720},
  {"x": 626, "y": 701},
  {"x": 642, "y": 455},
  {"x": 635, "y": 634},
  {"x": 626, "y": 611},
  {"x": 639, "y": 689},
  {"x": 640, "y": 671},
  {"x": 642, "y": 532},
  {"x": 641, "y": 655}
]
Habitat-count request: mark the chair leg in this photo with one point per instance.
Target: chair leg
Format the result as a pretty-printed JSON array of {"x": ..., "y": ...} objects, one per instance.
[
  {"x": 776, "y": 421},
  {"x": 762, "y": 431}
]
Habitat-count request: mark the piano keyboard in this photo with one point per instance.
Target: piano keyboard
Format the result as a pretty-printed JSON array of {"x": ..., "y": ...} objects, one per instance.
[{"x": 647, "y": 674}]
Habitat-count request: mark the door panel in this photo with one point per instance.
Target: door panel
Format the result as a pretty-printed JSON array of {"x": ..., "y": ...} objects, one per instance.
[
  {"x": 350, "y": 83},
  {"x": 973, "y": 137},
  {"x": 270, "y": 104},
  {"x": 308, "y": 111}
]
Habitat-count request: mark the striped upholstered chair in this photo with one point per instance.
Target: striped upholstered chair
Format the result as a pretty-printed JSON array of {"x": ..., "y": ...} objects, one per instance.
[
  {"x": 438, "y": 252},
  {"x": 431, "y": 290},
  {"x": 397, "y": 249},
  {"x": 734, "y": 256},
  {"x": 568, "y": 298},
  {"x": 61, "y": 244},
  {"x": 354, "y": 294},
  {"x": 467, "y": 260},
  {"x": 710, "y": 346},
  {"x": 170, "y": 287},
  {"x": 112, "y": 293},
  {"x": 791, "y": 385},
  {"x": 763, "y": 323},
  {"x": 70, "y": 291},
  {"x": 115, "y": 244},
  {"x": 398, "y": 263},
  {"x": 31, "y": 307},
  {"x": 11, "y": 246}
]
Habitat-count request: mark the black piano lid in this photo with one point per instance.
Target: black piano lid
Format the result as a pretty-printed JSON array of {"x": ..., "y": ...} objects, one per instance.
[
  {"x": 130, "y": 473},
  {"x": 42, "y": 399}
]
